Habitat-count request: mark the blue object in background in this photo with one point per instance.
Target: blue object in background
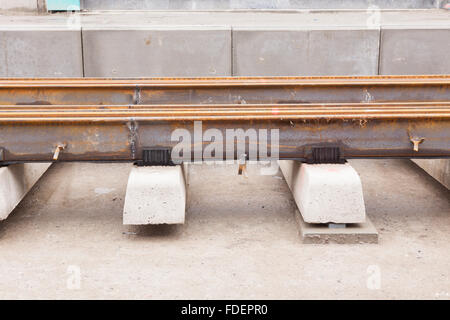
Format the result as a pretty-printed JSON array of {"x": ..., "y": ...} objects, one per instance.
[{"x": 63, "y": 5}]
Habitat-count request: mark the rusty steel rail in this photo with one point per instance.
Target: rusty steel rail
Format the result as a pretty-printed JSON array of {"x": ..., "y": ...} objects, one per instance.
[
  {"x": 149, "y": 113},
  {"x": 238, "y": 90},
  {"x": 117, "y": 119}
]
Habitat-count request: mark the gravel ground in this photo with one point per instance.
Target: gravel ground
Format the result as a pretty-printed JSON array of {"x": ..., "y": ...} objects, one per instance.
[{"x": 66, "y": 240}]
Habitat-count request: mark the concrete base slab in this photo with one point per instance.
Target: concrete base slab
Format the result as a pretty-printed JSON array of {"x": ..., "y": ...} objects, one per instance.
[
  {"x": 321, "y": 233},
  {"x": 155, "y": 195},
  {"x": 15, "y": 181},
  {"x": 325, "y": 193}
]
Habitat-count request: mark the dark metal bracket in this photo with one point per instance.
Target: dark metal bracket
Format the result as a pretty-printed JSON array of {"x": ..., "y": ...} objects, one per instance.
[
  {"x": 326, "y": 155},
  {"x": 156, "y": 156}
]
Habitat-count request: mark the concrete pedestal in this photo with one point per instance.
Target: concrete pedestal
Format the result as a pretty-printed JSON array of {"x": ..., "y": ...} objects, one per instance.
[
  {"x": 15, "y": 181},
  {"x": 155, "y": 195},
  {"x": 437, "y": 168},
  {"x": 325, "y": 193}
]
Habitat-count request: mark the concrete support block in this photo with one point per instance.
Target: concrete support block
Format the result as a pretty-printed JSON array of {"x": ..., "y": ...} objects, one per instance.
[
  {"x": 15, "y": 181},
  {"x": 46, "y": 52},
  {"x": 415, "y": 51},
  {"x": 157, "y": 52},
  {"x": 290, "y": 52},
  {"x": 437, "y": 168},
  {"x": 155, "y": 195},
  {"x": 325, "y": 193}
]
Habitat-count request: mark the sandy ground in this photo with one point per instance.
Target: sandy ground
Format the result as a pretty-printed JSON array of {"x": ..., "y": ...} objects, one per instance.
[{"x": 66, "y": 240}]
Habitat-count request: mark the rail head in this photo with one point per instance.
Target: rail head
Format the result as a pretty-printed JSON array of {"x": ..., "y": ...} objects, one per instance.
[
  {"x": 382, "y": 80},
  {"x": 224, "y": 112}
]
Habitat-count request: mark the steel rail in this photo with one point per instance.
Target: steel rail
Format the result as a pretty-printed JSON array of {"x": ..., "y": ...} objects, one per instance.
[
  {"x": 239, "y": 90},
  {"x": 228, "y": 81},
  {"x": 118, "y": 119},
  {"x": 224, "y": 112}
]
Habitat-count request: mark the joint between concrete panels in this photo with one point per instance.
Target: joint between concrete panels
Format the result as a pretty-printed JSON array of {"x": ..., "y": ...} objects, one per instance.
[
  {"x": 82, "y": 52},
  {"x": 231, "y": 52},
  {"x": 380, "y": 39}
]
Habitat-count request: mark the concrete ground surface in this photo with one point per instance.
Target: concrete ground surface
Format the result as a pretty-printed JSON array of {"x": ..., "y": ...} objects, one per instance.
[{"x": 240, "y": 240}]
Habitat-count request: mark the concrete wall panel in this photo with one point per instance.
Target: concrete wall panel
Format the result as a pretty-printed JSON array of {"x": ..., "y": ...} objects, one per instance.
[
  {"x": 305, "y": 52},
  {"x": 409, "y": 51},
  {"x": 363, "y": 4},
  {"x": 19, "y": 5},
  {"x": 40, "y": 53},
  {"x": 157, "y": 52}
]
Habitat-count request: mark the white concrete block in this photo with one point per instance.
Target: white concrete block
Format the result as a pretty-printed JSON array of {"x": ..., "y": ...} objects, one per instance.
[
  {"x": 15, "y": 181},
  {"x": 325, "y": 193},
  {"x": 155, "y": 195}
]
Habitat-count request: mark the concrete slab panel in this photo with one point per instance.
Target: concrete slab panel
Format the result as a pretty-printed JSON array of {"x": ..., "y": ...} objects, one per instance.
[
  {"x": 125, "y": 5},
  {"x": 415, "y": 51},
  {"x": 199, "y": 4},
  {"x": 19, "y": 5},
  {"x": 40, "y": 53},
  {"x": 255, "y": 4},
  {"x": 262, "y": 4},
  {"x": 289, "y": 52},
  {"x": 15, "y": 181},
  {"x": 437, "y": 168},
  {"x": 311, "y": 233},
  {"x": 363, "y": 4},
  {"x": 156, "y": 52},
  {"x": 155, "y": 195}
]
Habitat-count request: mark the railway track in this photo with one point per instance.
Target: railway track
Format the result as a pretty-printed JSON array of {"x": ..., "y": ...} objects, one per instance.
[{"x": 119, "y": 119}]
